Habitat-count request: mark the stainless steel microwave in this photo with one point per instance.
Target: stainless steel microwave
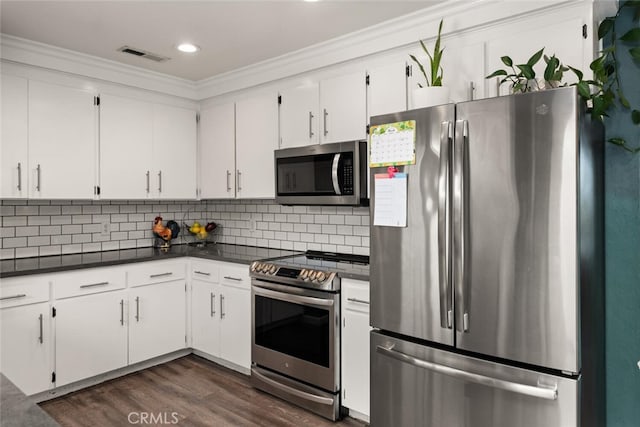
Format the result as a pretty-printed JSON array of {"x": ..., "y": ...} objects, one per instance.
[{"x": 324, "y": 174}]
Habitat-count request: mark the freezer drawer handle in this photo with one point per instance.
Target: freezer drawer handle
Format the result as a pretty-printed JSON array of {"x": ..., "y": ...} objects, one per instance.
[
  {"x": 528, "y": 390},
  {"x": 302, "y": 394}
]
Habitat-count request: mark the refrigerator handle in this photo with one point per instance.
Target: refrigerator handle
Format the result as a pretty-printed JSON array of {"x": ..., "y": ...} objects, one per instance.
[
  {"x": 459, "y": 224},
  {"x": 446, "y": 300},
  {"x": 548, "y": 393}
]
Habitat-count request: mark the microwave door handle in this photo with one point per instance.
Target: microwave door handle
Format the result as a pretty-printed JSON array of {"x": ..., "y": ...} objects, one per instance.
[{"x": 334, "y": 174}]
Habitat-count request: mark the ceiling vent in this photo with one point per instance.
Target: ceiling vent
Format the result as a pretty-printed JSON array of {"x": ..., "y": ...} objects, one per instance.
[{"x": 143, "y": 54}]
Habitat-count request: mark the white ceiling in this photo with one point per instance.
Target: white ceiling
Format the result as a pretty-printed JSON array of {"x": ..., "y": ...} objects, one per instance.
[{"x": 232, "y": 34}]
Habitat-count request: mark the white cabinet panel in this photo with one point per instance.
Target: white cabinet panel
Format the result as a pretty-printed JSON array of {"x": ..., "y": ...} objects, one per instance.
[
  {"x": 13, "y": 145},
  {"x": 235, "y": 325},
  {"x": 256, "y": 139},
  {"x": 91, "y": 336},
  {"x": 205, "y": 317},
  {"x": 299, "y": 116},
  {"x": 343, "y": 108},
  {"x": 217, "y": 152},
  {"x": 174, "y": 152},
  {"x": 157, "y": 318},
  {"x": 387, "y": 89},
  {"x": 62, "y": 142},
  {"x": 26, "y": 346}
]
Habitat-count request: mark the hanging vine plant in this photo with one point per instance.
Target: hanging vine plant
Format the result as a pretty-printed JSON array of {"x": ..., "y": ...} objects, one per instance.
[{"x": 604, "y": 91}]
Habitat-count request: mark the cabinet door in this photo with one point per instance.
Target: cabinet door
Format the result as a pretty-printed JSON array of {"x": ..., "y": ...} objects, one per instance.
[
  {"x": 126, "y": 132},
  {"x": 217, "y": 158},
  {"x": 62, "y": 142},
  {"x": 174, "y": 152},
  {"x": 205, "y": 317},
  {"x": 355, "y": 345},
  {"x": 13, "y": 145},
  {"x": 256, "y": 139},
  {"x": 387, "y": 89},
  {"x": 91, "y": 336},
  {"x": 235, "y": 325},
  {"x": 343, "y": 108},
  {"x": 299, "y": 116},
  {"x": 157, "y": 318},
  {"x": 25, "y": 346}
]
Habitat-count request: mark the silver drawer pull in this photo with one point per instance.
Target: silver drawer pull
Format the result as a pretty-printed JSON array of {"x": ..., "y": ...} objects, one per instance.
[
  {"x": 93, "y": 285},
  {"x": 41, "y": 337},
  {"x": 13, "y": 297},
  {"x": 233, "y": 278},
  {"x": 153, "y": 276},
  {"x": 203, "y": 273},
  {"x": 361, "y": 301}
]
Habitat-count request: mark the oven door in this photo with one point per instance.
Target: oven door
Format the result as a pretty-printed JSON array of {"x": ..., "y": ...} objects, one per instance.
[{"x": 295, "y": 332}]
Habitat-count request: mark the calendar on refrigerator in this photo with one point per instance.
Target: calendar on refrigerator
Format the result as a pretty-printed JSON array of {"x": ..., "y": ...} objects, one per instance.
[{"x": 392, "y": 144}]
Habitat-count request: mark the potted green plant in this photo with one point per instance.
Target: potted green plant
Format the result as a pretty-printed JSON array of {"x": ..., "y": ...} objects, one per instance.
[
  {"x": 432, "y": 92},
  {"x": 603, "y": 92}
]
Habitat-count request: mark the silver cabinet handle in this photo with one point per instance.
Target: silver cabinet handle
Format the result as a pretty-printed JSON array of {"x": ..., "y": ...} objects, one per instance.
[
  {"x": 472, "y": 90},
  {"x": 160, "y": 182},
  {"x": 446, "y": 300},
  {"x": 13, "y": 297},
  {"x": 41, "y": 337},
  {"x": 19, "y": 176},
  {"x": 310, "y": 124},
  {"x": 238, "y": 180},
  {"x": 148, "y": 184},
  {"x": 326, "y": 131},
  {"x": 213, "y": 304},
  {"x": 122, "y": 312},
  {"x": 233, "y": 278},
  {"x": 334, "y": 174},
  {"x": 153, "y": 276},
  {"x": 222, "y": 313},
  {"x": 38, "y": 178},
  {"x": 93, "y": 285},
  {"x": 137, "y": 309},
  {"x": 202, "y": 272},
  {"x": 228, "y": 181},
  {"x": 361, "y": 301},
  {"x": 458, "y": 224},
  {"x": 528, "y": 390}
]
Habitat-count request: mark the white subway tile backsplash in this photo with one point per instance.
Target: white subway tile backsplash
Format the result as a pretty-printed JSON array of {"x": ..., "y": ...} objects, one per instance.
[
  {"x": 38, "y": 241},
  {"x": 81, "y": 238},
  {"x": 61, "y": 240},
  {"x": 50, "y": 250},
  {"x": 27, "y": 210},
  {"x": 14, "y": 221},
  {"x": 321, "y": 219},
  {"x": 27, "y": 231},
  {"x": 71, "y": 210},
  {"x": 14, "y": 242},
  {"x": 27, "y": 252},
  {"x": 71, "y": 229},
  {"x": 81, "y": 219},
  {"x": 329, "y": 229},
  {"x": 38, "y": 220},
  {"x": 50, "y": 210},
  {"x": 48, "y": 230},
  {"x": 61, "y": 220}
]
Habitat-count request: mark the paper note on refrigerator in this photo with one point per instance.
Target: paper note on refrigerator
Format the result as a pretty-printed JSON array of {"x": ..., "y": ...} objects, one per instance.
[
  {"x": 392, "y": 144},
  {"x": 390, "y": 206}
]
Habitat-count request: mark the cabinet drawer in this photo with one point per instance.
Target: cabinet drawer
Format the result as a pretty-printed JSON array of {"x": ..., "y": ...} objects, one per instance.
[
  {"x": 355, "y": 295},
  {"x": 156, "y": 272},
  {"x": 206, "y": 271},
  {"x": 90, "y": 281},
  {"x": 236, "y": 275},
  {"x": 23, "y": 290}
]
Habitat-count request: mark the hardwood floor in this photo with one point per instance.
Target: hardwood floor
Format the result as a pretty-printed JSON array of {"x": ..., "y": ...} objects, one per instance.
[{"x": 189, "y": 391}]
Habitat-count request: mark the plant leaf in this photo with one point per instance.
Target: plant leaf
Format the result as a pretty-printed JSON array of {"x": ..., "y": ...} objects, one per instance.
[
  {"x": 605, "y": 26},
  {"x": 535, "y": 58},
  {"x": 631, "y": 3},
  {"x": 577, "y": 72},
  {"x": 583, "y": 90},
  {"x": 635, "y": 53},
  {"x": 632, "y": 35},
  {"x": 617, "y": 141},
  {"x": 549, "y": 71},
  {"x": 527, "y": 71},
  {"x": 635, "y": 117},
  {"x": 496, "y": 74},
  {"x": 421, "y": 68},
  {"x": 507, "y": 61}
]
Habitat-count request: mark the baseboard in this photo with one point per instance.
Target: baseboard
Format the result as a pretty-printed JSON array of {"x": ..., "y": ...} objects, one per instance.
[
  {"x": 358, "y": 416},
  {"x": 222, "y": 362}
]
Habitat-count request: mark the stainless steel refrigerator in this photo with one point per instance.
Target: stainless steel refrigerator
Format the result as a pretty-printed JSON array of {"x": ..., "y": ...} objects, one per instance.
[{"x": 488, "y": 307}]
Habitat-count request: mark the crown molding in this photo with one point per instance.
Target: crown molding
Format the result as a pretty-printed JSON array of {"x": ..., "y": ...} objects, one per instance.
[{"x": 23, "y": 51}]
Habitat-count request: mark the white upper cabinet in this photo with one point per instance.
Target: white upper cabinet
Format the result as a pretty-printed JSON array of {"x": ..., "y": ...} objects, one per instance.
[
  {"x": 126, "y": 142},
  {"x": 216, "y": 161},
  {"x": 13, "y": 145},
  {"x": 299, "y": 116},
  {"x": 62, "y": 142},
  {"x": 256, "y": 139},
  {"x": 174, "y": 152},
  {"x": 343, "y": 108},
  {"x": 387, "y": 89}
]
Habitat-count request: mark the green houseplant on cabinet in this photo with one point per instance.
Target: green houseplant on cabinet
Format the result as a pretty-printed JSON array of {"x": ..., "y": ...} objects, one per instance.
[
  {"x": 603, "y": 93},
  {"x": 432, "y": 92}
]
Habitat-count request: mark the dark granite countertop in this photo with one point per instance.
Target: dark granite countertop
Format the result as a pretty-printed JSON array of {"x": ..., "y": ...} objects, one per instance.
[
  {"x": 51, "y": 264},
  {"x": 18, "y": 410}
]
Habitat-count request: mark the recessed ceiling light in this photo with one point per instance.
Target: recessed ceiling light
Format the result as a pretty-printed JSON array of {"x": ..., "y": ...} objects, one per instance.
[{"x": 188, "y": 48}]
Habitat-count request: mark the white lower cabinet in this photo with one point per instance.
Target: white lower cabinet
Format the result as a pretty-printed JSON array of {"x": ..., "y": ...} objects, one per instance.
[
  {"x": 157, "y": 320},
  {"x": 355, "y": 345},
  {"x": 26, "y": 346},
  {"x": 91, "y": 336},
  {"x": 205, "y": 317}
]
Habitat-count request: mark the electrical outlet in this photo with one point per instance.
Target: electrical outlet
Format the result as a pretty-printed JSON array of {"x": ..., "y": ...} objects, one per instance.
[{"x": 105, "y": 228}]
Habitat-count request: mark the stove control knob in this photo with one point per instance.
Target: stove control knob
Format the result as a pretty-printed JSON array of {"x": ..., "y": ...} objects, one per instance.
[
  {"x": 265, "y": 268},
  {"x": 321, "y": 276},
  {"x": 304, "y": 274},
  {"x": 254, "y": 265},
  {"x": 272, "y": 269},
  {"x": 259, "y": 267},
  {"x": 312, "y": 275}
]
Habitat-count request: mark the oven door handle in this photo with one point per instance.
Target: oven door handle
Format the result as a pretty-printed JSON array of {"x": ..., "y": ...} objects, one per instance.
[
  {"x": 293, "y": 298},
  {"x": 299, "y": 393}
]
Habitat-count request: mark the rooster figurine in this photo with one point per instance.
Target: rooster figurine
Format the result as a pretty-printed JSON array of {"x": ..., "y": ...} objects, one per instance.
[{"x": 165, "y": 233}]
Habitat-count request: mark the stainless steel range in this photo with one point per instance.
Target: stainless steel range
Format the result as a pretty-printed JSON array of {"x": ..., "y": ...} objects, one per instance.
[{"x": 295, "y": 349}]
